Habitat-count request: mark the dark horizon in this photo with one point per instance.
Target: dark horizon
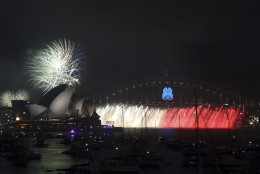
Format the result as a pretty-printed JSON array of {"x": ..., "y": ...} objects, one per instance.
[{"x": 213, "y": 42}]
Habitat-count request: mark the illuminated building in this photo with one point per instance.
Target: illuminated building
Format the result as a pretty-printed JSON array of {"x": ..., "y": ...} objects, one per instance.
[
  {"x": 6, "y": 113},
  {"x": 20, "y": 109}
]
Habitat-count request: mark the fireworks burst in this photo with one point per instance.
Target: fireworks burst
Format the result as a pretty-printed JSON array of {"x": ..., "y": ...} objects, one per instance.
[
  {"x": 59, "y": 63},
  {"x": 7, "y": 97}
]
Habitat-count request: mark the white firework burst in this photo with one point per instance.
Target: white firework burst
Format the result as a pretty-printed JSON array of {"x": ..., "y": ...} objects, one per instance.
[
  {"x": 7, "y": 97},
  {"x": 59, "y": 63}
]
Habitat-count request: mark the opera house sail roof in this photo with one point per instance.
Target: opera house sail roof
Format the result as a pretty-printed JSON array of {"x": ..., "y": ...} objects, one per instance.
[
  {"x": 76, "y": 103},
  {"x": 60, "y": 104},
  {"x": 36, "y": 110},
  {"x": 54, "y": 104},
  {"x": 48, "y": 98}
]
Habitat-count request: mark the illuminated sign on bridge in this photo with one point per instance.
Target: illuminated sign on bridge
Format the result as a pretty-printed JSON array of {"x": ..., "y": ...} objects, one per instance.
[{"x": 167, "y": 94}]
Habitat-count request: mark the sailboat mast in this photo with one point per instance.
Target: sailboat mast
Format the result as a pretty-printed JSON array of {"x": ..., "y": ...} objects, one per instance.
[{"x": 197, "y": 128}]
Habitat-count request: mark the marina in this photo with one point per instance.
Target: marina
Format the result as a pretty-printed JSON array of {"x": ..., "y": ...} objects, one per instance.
[{"x": 159, "y": 150}]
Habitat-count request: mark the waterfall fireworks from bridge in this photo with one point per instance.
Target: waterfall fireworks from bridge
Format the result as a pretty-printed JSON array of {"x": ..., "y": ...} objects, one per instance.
[
  {"x": 170, "y": 103},
  {"x": 212, "y": 117}
]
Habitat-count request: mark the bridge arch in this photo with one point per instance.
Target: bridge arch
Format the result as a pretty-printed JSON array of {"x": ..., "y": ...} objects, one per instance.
[{"x": 149, "y": 92}]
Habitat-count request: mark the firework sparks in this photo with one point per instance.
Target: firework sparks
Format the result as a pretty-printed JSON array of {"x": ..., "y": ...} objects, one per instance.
[
  {"x": 59, "y": 63},
  {"x": 7, "y": 97}
]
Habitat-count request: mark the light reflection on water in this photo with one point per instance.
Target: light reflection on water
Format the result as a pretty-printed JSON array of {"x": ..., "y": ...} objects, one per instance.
[{"x": 52, "y": 159}]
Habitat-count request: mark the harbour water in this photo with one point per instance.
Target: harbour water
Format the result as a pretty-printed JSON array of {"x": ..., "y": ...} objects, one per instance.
[{"x": 53, "y": 159}]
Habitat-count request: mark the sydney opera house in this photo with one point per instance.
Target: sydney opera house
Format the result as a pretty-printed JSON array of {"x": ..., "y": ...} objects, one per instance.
[{"x": 58, "y": 109}]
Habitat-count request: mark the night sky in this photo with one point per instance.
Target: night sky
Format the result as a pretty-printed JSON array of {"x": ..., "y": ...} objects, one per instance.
[{"x": 215, "y": 42}]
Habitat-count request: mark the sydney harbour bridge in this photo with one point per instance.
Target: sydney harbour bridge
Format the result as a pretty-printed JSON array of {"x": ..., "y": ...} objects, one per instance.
[{"x": 141, "y": 104}]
